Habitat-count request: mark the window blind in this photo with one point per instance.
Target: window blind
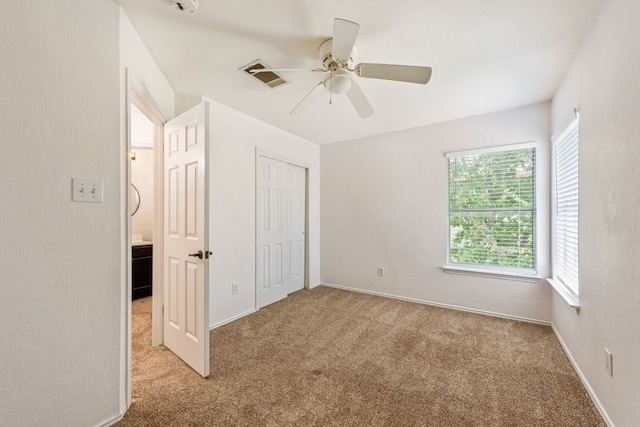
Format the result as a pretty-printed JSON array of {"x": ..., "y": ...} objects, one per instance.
[
  {"x": 565, "y": 206},
  {"x": 492, "y": 207}
]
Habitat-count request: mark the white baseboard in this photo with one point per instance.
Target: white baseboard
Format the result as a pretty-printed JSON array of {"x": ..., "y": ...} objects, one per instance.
[
  {"x": 112, "y": 421},
  {"x": 585, "y": 383},
  {"x": 246, "y": 313},
  {"x": 231, "y": 319},
  {"x": 439, "y": 304}
]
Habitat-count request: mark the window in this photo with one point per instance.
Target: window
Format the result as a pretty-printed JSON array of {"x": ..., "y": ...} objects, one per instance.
[
  {"x": 565, "y": 207},
  {"x": 492, "y": 213}
]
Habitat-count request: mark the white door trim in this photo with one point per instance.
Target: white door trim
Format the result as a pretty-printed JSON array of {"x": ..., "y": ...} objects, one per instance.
[
  {"x": 263, "y": 152},
  {"x": 125, "y": 250},
  {"x": 147, "y": 106}
]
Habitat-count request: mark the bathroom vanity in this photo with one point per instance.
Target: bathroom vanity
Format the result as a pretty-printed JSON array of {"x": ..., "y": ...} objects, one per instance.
[{"x": 141, "y": 269}]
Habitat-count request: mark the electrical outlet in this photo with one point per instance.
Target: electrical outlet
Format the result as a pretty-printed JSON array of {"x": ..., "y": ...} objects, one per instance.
[
  {"x": 234, "y": 288},
  {"x": 381, "y": 271},
  {"x": 608, "y": 362}
]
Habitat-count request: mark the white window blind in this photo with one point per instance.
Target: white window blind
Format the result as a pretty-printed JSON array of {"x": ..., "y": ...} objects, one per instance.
[
  {"x": 565, "y": 206},
  {"x": 492, "y": 208}
]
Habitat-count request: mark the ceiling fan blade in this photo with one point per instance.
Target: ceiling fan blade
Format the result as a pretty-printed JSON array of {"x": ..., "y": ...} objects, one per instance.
[
  {"x": 359, "y": 101},
  {"x": 271, "y": 70},
  {"x": 317, "y": 89},
  {"x": 344, "y": 38},
  {"x": 401, "y": 73}
]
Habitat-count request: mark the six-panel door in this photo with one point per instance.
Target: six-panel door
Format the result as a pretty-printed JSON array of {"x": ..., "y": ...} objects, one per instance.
[
  {"x": 186, "y": 330},
  {"x": 280, "y": 229}
]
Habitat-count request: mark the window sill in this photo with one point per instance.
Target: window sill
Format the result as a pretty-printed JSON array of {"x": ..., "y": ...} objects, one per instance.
[
  {"x": 566, "y": 295},
  {"x": 505, "y": 275}
]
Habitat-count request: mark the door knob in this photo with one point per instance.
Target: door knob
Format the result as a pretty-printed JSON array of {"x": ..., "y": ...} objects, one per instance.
[{"x": 197, "y": 255}]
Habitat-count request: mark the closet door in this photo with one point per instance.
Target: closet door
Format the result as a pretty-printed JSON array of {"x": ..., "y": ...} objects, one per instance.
[{"x": 280, "y": 213}]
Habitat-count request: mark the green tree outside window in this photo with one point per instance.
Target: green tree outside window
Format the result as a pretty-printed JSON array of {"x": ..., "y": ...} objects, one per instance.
[{"x": 492, "y": 209}]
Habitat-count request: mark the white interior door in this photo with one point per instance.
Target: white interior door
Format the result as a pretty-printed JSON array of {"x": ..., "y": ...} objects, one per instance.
[
  {"x": 186, "y": 295},
  {"x": 280, "y": 210}
]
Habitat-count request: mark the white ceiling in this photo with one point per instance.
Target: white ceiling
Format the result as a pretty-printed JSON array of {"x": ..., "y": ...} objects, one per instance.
[{"x": 487, "y": 55}]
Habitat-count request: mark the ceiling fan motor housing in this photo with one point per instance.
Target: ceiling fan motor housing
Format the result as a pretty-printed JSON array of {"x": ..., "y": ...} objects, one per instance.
[{"x": 329, "y": 62}]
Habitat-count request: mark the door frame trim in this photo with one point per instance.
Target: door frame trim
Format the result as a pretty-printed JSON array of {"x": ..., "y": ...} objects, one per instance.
[
  {"x": 263, "y": 152},
  {"x": 134, "y": 95}
]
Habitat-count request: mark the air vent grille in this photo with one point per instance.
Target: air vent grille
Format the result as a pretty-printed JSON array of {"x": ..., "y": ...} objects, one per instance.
[{"x": 268, "y": 78}]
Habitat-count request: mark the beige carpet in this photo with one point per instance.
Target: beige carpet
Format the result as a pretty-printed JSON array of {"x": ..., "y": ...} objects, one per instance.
[{"x": 327, "y": 357}]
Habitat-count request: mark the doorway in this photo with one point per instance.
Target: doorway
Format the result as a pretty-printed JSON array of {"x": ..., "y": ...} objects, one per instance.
[
  {"x": 146, "y": 178},
  {"x": 179, "y": 195},
  {"x": 141, "y": 157},
  {"x": 142, "y": 197}
]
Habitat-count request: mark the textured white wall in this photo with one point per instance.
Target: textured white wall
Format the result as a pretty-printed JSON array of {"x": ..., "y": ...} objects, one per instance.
[
  {"x": 142, "y": 129},
  {"x": 384, "y": 203},
  {"x": 144, "y": 73},
  {"x": 142, "y": 178},
  {"x": 60, "y": 300},
  {"x": 604, "y": 82},
  {"x": 234, "y": 137}
]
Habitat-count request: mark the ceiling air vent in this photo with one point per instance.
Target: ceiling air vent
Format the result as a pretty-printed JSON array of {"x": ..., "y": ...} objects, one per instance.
[
  {"x": 186, "y": 6},
  {"x": 268, "y": 78}
]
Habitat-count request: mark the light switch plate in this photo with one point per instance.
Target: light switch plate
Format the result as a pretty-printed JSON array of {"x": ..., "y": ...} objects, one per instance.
[{"x": 86, "y": 190}]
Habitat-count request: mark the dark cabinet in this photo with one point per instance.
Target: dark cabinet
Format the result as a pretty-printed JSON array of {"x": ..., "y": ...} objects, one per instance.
[{"x": 142, "y": 270}]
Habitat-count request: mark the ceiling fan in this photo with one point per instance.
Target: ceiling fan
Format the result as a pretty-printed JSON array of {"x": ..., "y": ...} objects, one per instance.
[{"x": 336, "y": 55}]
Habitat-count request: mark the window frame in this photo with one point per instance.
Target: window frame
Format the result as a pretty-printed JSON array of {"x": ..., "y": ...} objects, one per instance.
[
  {"x": 570, "y": 126},
  {"x": 500, "y": 272}
]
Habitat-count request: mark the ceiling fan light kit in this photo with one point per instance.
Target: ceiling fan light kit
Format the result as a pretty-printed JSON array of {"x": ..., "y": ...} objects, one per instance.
[{"x": 338, "y": 82}]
